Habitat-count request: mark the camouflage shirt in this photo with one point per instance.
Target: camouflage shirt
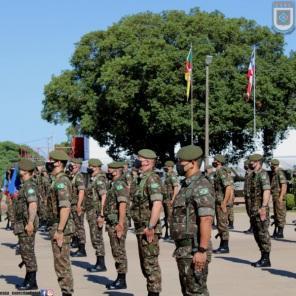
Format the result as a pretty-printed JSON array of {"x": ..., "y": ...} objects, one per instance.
[
  {"x": 77, "y": 185},
  {"x": 170, "y": 182},
  {"x": 197, "y": 197},
  {"x": 277, "y": 179},
  {"x": 247, "y": 183},
  {"x": 222, "y": 179},
  {"x": 211, "y": 178}
]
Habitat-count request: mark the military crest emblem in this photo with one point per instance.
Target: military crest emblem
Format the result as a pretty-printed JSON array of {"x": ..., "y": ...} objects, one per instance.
[{"x": 283, "y": 16}]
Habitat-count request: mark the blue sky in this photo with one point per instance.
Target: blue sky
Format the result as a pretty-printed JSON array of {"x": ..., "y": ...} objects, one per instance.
[{"x": 37, "y": 41}]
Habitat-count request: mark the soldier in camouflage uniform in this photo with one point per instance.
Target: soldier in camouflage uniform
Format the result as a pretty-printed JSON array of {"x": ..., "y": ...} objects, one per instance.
[
  {"x": 26, "y": 223},
  {"x": 247, "y": 185},
  {"x": 260, "y": 195},
  {"x": 116, "y": 221},
  {"x": 278, "y": 191},
  {"x": 77, "y": 206},
  {"x": 94, "y": 207},
  {"x": 210, "y": 174},
  {"x": 171, "y": 188},
  {"x": 193, "y": 212},
  {"x": 223, "y": 185},
  {"x": 60, "y": 223},
  {"x": 145, "y": 211}
]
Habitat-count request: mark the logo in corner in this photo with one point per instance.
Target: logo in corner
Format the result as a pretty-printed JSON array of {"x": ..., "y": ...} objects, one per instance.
[{"x": 283, "y": 16}]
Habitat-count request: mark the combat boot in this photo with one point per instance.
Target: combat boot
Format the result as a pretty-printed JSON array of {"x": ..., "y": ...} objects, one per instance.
[
  {"x": 80, "y": 252},
  {"x": 66, "y": 294},
  {"x": 30, "y": 283},
  {"x": 74, "y": 242},
  {"x": 230, "y": 225},
  {"x": 99, "y": 266},
  {"x": 264, "y": 261},
  {"x": 275, "y": 232},
  {"x": 223, "y": 248},
  {"x": 280, "y": 233},
  {"x": 119, "y": 283},
  {"x": 153, "y": 294}
]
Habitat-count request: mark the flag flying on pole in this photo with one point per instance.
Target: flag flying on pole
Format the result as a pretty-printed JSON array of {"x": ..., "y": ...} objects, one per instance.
[
  {"x": 188, "y": 72},
  {"x": 250, "y": 74}
]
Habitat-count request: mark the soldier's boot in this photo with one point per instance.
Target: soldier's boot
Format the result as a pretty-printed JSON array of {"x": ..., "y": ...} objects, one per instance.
[
  {"x": 66, "y": 294},
  {"x": 166, "y": 235},
  {"x": 30, "y": 283},
  {"x": 264, "y": 261},
  {"x": 119, "y": 283},
  {"x": 230, "y": 225},
  {"x": 24, "y": 283},
  {"x": 74, "y": 242},
  {"x": 80, "y": 252},
  {"x": 223, "y": 248},
  {"x": 275, "y": 232},
  {"x": 153, "y": 294},
  {"x": 280, "y": 233},
  {"x": 99, "y": 266},
  {"x": 7, "y": 225}
]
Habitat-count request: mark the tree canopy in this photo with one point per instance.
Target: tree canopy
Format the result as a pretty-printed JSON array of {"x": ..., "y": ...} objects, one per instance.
[{"x": 126, "y": 86}]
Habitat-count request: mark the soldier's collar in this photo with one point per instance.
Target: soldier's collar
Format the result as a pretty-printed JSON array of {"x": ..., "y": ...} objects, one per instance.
[{"x": 194, "y": 177}]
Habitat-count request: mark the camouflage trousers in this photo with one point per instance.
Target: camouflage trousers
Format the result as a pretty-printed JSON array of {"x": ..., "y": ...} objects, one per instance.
[
  {"x": 62, "y": 263},
  {"x": 79, "y": 225},
  {"x": 42, "y": 208},
  {"x": 222, "y": 223},
  {"x": 190, "y": 285},
  {"x": 261, "y": 233},
  {"x": 168, "y": 212},
  {"x": 248, "y": 205},
  {"x": 230, "y": 213},
  {"x": 279, "y": 212},
  {"x": 10, "y": 211},
  {"x": 27, "y": 244},
  {"x": 148, "y": 254},
  {"x": 118, "y": 248},
  {"x": 96, "y": 233}
]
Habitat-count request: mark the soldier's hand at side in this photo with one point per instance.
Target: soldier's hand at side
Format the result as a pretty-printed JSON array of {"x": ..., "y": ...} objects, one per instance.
[
  {"x": 149, "y": 234},
  {"x": 59, "y": 238},
  {"x": 262, "y": 214},
  {"x": 29, "y": 228},
  {"x": 119, "y": 230},
  {"x": 199, "y": 261}
]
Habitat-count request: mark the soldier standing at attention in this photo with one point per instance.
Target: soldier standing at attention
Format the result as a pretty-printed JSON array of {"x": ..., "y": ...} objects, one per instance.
[
  {"x": 116, "y": 221},
  {"x": 171, "y": 187},
  {"x": 26, "y": 223},
  {"x": 60, "y": 223},
  {"x": 223, "y": 190},
  {"x": 78, "y": 188},
  {"x": 193, "y": 212},
  {"x": 145, "y": 211},
  {"x": 260, "y": 195},
  {"x": 94, "y": 206},
  {"x": 247, "y": 185},
  {"x": 278, "y": 191}
]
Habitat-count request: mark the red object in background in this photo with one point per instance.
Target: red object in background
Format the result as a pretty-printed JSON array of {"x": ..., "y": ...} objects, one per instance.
[{"x": 77, "y": 147}]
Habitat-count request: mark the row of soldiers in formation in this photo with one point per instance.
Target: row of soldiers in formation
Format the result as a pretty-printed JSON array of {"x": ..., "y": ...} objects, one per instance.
[{"x": 111, "y": 198}]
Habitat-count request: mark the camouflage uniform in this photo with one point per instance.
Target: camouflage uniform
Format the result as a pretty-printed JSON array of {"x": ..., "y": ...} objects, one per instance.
[
  {"x": 96, "y": 187},
  {"x": 247, "y": 187},
  {"x": 198, "y": 198},
  {"x": 27, "y": 194},
  {"x": 147, "y": 191},
  {"x": 77, "y": 185},
  {"x": 259, "y": 183},
  {"x": 60, "y": 197},
  {"x": 117, "y": 194}
]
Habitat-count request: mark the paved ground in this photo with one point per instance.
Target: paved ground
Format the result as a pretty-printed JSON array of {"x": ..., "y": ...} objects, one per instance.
[{"x": 230, "y": 275}]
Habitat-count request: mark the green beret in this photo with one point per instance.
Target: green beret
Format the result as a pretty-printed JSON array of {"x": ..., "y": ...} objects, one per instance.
[
  {"x": 39, "y": 162},
  {"x": 76, "y": 160},
  {"x": 95, "y": 162},
  {"x": 116, "y": 165},
  {"x": 58, "y": 155},
  {"x": 220, "y": 158},
  {"x": 190, "y": 152},
  {"x": 26, "y": 165},
  {"x": 255, "y": 157},
  {"x": 147, "y": 153},
  {"x": 169, "y": 163},
  {"x": 275, "y": 162}
]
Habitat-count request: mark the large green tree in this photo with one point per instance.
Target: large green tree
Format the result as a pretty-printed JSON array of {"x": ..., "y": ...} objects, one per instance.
[{"x": 126, "y": 87}]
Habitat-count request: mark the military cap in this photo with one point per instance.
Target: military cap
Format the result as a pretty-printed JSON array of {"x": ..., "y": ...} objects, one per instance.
[
  {"x": 116, "y": 165},
  {"x": 39, "y": 162},
  {"x": 58, "y": 155},
  {"x": 275, "y": 162},
  {"x": 190, "y": 152},
  {"x": 95, "y": 162},
  {"x": 147, "y": 153},
  {"x": 26, "y": 165},
  {"x": 76, "y": 160},
  {"x": 220, "y": 158},
  {"x": 255, "y": 157},
  {"x": 169, "y": 163}
]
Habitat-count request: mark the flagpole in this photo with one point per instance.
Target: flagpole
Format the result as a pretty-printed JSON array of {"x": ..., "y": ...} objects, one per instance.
[
  {"x": 254, "y": 93},
  {"x": 191, "y": 102}
]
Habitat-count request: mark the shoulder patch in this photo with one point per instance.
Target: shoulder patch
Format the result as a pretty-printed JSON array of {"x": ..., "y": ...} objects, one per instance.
[
  {"x": 203, "y": 191},
  {"x": 154, "y": 185},
  {"x": 31, "y": 191},
  {"x": 60, "y": 186},
  {"x": 119, "y": 187}
]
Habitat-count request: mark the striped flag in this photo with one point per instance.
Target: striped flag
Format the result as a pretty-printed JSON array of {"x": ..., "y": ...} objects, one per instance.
[
  {"x": 188, "y": 72},
  {"x": 250, "y": 75}
]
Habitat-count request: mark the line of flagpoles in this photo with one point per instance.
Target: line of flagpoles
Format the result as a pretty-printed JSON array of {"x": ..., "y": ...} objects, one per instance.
[{"x": 251, "y": 86}]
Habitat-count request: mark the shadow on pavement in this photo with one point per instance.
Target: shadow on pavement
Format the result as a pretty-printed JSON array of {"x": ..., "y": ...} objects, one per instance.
[
  {"x": 102, "y": 280},
  {"x": 284, "y": 240},
  {"x": 11, "y": 279},
  {"x": 9, "y": 245},
  {"x": 280, "y": 272},
  {"x": 81, "y": 264},
  {"x": 112, "y": 293},
  {"x": 235, "y": 260}
]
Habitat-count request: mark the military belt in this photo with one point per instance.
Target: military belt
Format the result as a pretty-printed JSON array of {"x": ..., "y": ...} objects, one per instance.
[{"x": 183, "y": 243}]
